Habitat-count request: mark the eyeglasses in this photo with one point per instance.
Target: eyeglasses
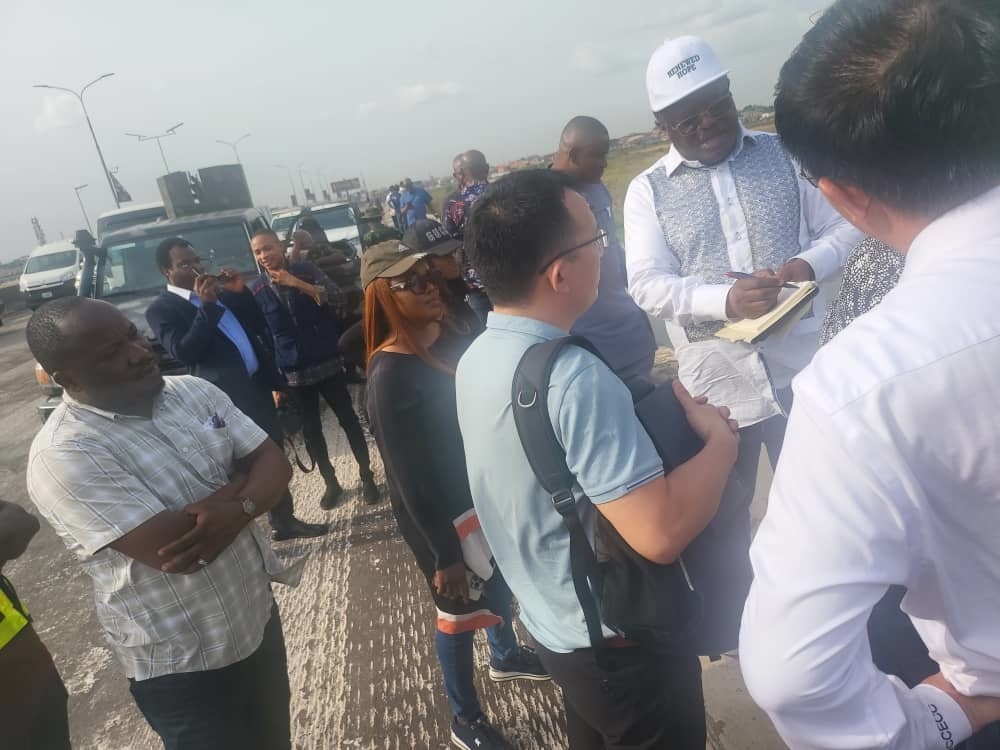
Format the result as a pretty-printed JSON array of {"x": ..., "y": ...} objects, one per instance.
[
  {"x": 601, "y": 238},
  {"x": 690, "y": 125},
  {"x": 415, "y": 282},
  {"x": 814, "y": 181}
]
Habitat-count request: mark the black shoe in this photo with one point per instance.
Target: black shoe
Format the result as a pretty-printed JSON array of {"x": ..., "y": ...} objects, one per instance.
[
  {"x": 369, "y": 490},
  {"x": 477, "y": 735},
  {"x": 331, "y": 498},
  {"x": 297, "y": 529},
  {"x": 523, "y": 664}
]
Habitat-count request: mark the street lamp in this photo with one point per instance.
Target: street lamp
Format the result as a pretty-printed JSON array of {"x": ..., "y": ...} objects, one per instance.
[
  {"x": 158, "y": 138},
  {"x": 86, "y": 115},
  {"x": 234, "y": 144},
  {"x": 302, "y": 178},
  {"x": 86, "y": 218},
  {"x": 291, "y": 182}
]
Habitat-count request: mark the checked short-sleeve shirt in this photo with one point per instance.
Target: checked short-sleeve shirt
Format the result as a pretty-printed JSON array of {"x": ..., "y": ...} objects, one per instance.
[{"x": 96, "y": 476}]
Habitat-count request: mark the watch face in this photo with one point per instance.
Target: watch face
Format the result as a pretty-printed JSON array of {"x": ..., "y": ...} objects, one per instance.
[{"x": 248, "y": 507}]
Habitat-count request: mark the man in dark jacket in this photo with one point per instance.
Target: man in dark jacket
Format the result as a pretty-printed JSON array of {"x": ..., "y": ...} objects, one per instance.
[
  {"x": 211, "y": 324},
  {"x": 302, "y": 309}
]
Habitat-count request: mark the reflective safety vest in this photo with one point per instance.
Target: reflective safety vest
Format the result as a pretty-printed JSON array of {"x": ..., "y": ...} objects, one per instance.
[{"x": 13, "y": 615}]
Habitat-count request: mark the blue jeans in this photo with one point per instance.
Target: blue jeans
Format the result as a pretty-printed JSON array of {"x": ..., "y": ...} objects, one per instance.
[{"x": 455, "y": 652}]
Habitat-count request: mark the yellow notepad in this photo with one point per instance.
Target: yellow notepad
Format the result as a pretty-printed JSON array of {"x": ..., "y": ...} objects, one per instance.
[{"x": 792, "y": 305}]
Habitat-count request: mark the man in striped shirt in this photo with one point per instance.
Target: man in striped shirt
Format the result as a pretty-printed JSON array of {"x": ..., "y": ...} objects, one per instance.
[{"x": 154, "y": 484}]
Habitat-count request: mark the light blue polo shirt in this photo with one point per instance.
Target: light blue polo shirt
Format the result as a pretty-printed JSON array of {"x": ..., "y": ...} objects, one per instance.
[{"x": 607, "y": 450}]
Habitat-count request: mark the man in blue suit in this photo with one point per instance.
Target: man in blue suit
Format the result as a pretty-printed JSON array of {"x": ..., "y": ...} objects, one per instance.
[{"x": 212, "y": 324}]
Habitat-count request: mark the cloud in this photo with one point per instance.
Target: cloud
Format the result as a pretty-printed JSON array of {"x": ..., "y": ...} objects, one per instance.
[
  {"x": 366, "y": 108},
  {"x": 419, "y": 93},
  {"x": 58, "y": 111},
  {"x": 604, "y": 61}
]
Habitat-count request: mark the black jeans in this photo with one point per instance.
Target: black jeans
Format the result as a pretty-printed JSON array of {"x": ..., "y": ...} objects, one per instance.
[
  {"x": 33, "y": 700},
  {"x": 258, "y": 404},
  {"x": 334, "y": 392},
  {"x": 637, "y": 698},
  {"x": 244, "y": 705}
]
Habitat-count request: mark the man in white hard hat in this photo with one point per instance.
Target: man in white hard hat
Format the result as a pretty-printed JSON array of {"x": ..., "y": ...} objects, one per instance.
[{"x": 725, "y": 199}]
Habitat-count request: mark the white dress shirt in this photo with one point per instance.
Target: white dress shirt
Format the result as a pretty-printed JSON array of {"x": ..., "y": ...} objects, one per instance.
[
  {"x": 730, "y": 373},
  {"x": 890, "y": 474}
]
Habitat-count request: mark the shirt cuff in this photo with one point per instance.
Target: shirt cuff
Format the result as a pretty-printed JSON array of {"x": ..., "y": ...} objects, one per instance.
[
  {"x": 822, "y": 260},
  {"x": 708, "y": 302},
  {"x": 949, "y": 720}
]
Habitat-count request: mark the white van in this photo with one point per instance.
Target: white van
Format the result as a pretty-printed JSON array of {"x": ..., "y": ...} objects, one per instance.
[{"x": 50, "y": 272}]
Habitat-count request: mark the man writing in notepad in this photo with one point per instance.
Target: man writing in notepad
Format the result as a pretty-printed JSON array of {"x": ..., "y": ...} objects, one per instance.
[{"x": 726, "y": 199}]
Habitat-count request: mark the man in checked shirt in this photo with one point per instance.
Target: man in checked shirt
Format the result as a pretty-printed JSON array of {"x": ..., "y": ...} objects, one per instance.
[{"x": 154, "y": 484}]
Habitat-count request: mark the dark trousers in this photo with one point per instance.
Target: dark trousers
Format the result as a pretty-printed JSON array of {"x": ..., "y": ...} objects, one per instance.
[
  {"x": 334, "y": 392},
  {"x": 33, "y": 713},
  {"x": 637, "y": 698},
  {"x": 244, "y": 705},
  {"x": 258, "y": 404}
]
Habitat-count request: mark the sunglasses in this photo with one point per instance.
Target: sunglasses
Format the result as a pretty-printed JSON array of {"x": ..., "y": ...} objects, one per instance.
[
  {"x": 415, "y": 282},
  {"x": 601, "y": 238},
  {"x": 690, "y": 125}
]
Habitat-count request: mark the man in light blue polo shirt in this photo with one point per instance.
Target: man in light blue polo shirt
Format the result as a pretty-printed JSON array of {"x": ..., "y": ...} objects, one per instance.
[{"x": 538, "y": 249}]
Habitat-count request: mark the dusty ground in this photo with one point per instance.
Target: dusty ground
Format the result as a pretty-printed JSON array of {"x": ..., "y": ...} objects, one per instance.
[{"x": 363, "y": 673}]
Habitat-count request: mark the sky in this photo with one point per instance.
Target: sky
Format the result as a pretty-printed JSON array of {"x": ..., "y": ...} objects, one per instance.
[{"x": 383, "y": 89}]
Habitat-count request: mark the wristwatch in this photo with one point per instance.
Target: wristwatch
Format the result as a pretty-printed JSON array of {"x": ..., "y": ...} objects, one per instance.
[{"x": 249, "y": 507}]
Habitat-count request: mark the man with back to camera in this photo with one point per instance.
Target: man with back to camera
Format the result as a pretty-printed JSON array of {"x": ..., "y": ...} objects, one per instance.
[
  {"x": 725, "y": 199},
  {"x": 537, "y": 246},
  {"x": 615, "y": 324},
  {"x": 154, "y": 484},
  {"x": 212, "y": 325},
  {"x": 889, "y": 473}
]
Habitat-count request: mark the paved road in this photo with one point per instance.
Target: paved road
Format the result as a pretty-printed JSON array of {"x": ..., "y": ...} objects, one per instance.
[{"x": 359, "y": 628}]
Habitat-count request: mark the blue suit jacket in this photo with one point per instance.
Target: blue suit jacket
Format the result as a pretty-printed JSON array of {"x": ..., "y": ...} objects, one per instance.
[{"x": 191, "y": 335}]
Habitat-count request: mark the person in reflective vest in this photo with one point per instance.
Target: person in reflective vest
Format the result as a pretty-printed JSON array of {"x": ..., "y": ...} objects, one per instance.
[{"x": 33, "y": 710}]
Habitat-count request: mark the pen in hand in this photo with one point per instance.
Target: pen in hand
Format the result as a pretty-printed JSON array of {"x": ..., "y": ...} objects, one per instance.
[{"x": 742, "y": 275}]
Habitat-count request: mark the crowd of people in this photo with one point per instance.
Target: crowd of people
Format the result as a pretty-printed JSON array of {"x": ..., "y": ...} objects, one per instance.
[{"x": 862, "y": 613}]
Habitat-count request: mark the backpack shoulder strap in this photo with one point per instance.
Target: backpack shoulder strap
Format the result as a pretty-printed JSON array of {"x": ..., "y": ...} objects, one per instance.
[{"x": 529, "y": 402}]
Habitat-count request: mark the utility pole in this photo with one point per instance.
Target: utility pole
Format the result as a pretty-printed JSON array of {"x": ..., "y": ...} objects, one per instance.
[
  {"x": 86, "y": 218},
  {"x": 234, "y": 144},
  {"x": 86, "y": 115},
  {"x": 158, "y": 138},
  {"x": 39, "y": 232},
  {"x": 291, "y": 182}
]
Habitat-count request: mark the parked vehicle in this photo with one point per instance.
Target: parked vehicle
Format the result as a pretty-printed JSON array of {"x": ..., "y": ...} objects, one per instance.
[
  {"x": 129, "y": 216},
  {"x": 123, "y": 270},
  {"x": 338, "y": 221},
  {"x": 50, "y": 272}
]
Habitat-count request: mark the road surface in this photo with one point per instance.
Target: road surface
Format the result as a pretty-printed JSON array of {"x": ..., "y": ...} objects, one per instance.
[{"x": 359, "y": 628}]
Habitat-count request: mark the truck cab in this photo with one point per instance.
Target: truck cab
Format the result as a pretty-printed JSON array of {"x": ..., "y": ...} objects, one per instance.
[{"x": 122, "y": 270}]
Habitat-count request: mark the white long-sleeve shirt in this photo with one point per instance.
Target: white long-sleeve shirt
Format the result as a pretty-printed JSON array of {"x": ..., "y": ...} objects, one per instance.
[
  {"x": 666, "y": 290},
  {"x": 890, "y": 474}
]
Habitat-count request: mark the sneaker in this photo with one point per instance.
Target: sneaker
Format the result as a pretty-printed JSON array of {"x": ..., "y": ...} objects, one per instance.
[
  {"x": 523, "y": 664},
  {"x": 369, "y": 490},
  {"x": 477, "y": 735},
  {"x": 332, "y": 495}
]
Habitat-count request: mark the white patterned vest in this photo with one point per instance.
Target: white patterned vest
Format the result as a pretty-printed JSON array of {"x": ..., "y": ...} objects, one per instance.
[{"x": 689, "y": 215}]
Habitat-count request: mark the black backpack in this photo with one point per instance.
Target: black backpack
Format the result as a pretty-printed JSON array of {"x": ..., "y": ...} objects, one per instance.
[{"x": 634, "y": 597}]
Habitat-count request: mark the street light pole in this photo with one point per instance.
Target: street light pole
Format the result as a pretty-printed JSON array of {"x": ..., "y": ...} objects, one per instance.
[
  {"x": 234, "y": 144},
  {"x": 86, "y": 116},
  {"x": 291, "y": 182},
  {"x": 302, "y": 178},
  {"x": 86, "y": 218},
  {"x": 169, "y": 132}
]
